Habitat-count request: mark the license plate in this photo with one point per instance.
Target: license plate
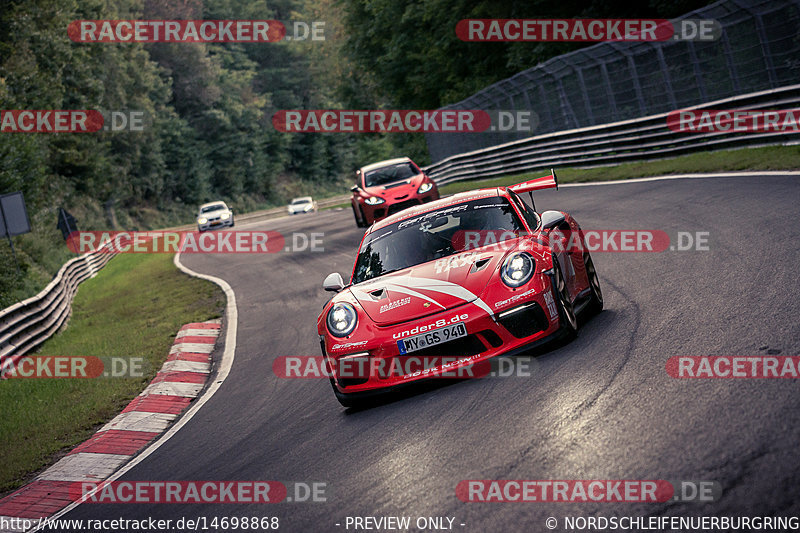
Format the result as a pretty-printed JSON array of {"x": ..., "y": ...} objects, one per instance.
[
  {"x": 216, "y": 223},
  {"x": 432, "y": 338}
]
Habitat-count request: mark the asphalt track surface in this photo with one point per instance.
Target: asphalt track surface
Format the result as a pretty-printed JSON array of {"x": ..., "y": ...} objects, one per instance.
[{"x": 601, "y": 407}]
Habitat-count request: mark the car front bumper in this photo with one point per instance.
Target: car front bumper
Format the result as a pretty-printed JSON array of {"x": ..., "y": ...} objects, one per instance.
[
  {"x": 215, "y": 224},
  {"x": 378, "y": 365},
  {"x": 373, "y": 213}
]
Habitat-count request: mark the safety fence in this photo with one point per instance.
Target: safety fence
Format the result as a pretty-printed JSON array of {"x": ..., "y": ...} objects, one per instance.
[
  {"x": 756, "y": 49},
  {"x": 27, "y": 324}
]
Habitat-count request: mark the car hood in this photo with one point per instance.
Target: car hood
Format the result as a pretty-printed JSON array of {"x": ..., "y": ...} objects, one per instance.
[
  {"x": 213, "y": 215},
  {"x": 428, "y": 288},
  {"x": 396, "y": 190}
]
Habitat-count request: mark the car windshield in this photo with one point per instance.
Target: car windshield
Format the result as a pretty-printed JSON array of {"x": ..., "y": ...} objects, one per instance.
[
  {"x": 433, "y": 235},
  {"x": 209, "y": 208},
  {"x": 382, "y": 175},
  {"x": 298, "y": 201}
]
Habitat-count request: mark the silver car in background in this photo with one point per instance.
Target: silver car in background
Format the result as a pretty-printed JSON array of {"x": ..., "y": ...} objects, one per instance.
[
  {"x": 214, "y": 215},
  {"x": 301, "y": 205}
]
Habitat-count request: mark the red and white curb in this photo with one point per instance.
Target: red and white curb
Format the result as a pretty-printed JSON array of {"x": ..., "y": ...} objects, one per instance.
[{"x": 179, "y": 381}]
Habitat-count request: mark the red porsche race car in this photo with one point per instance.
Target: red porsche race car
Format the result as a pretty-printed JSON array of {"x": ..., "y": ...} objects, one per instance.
[
  {"x": 451, "y": 283},
  {"x": 388, "y": 187}
]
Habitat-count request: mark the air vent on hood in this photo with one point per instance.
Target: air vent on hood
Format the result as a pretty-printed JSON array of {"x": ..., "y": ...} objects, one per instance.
[
  {"x": 379, "y": 294},
  {"x": 480, "y": 264},
  {"x": 393, "y": 185}
]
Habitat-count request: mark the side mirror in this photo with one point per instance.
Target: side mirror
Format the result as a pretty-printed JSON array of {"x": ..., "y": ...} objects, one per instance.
[
  {"x": 551, "y": 219},
  {"x": 354, "y": 188},
  {"x": 333, "y": 282}
]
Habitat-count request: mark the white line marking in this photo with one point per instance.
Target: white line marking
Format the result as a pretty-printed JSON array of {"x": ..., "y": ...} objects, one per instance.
[{"x": 687, "y": 176}]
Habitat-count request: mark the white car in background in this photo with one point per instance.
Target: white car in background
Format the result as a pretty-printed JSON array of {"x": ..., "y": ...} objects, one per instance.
[
  {"x": 301, "y": 205},
  {"x": 214, "y": 215}
]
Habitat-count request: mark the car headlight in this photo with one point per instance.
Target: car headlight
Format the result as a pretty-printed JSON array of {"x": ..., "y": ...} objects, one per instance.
[
  {"x": 202, "y": 220},
  {"x": 425, "y": 187},
  {"x": 374, "y": 200},
  {"x": 225, "y": 216},
  {"x": 342, "y": 319},
  {"x": 517, "y": 269}
]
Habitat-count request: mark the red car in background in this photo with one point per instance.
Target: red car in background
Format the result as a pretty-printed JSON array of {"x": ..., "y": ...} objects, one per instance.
[{"x": 387, "y": 187}]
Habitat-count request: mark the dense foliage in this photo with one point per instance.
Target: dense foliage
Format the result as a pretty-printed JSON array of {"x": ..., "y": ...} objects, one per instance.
[
  {"x": 411, "y": 56},
  {"x": 208, "y": 130}
]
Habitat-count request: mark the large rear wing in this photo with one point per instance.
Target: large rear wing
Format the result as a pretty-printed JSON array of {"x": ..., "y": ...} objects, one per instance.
[{"x": 545, "y": 182}]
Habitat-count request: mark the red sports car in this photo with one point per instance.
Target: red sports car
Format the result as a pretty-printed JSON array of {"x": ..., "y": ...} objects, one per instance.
[
  {"x": 388, "y": 187},
  {"x": 443, "y": 286}
]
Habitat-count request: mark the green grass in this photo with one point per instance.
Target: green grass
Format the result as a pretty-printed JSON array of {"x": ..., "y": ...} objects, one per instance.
[
  {"x": 133, "y": 308},
  {"x": 765, "y": 158}
]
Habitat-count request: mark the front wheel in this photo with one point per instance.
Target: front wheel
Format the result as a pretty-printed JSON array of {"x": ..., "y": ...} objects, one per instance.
[{"x": 566, "y": 311}]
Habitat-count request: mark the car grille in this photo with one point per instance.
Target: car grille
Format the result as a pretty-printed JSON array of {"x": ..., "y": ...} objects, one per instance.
[{"x": 396, "y": 208}]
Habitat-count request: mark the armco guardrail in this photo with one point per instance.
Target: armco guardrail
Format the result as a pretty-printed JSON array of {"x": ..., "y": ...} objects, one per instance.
[
  {"x": 27, "y": 324},
  {"x": 608, "y": 144}
]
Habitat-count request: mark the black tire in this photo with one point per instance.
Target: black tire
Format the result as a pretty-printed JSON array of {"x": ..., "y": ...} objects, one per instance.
[
  {"x": 596, "y": 298},
  {"x": 355, "y": 215},
  {"x": 566, "y": 311},
  {"x": 233, "y": 223}
]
